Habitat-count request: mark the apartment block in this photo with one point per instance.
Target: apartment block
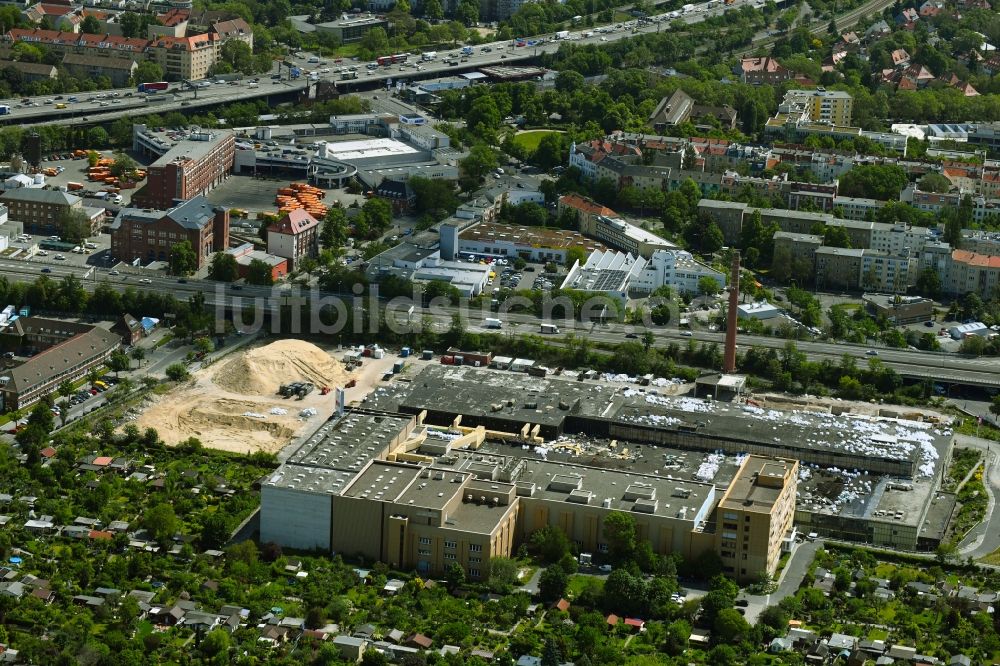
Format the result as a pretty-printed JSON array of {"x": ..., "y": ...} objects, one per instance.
[
  {"x": 185, "y": 58},
  {"x": 971, "y": 272},
  {"x": 797, "y": 247},
  {"x": 69, "y": 359},
  {"x": 834, "y": 107},
  {"x": 838, "y": 268},
  {"x": 754, "y": 515},
  {"x": 857, "y": 208},
  {"x": 757, "y": 71},
  {"x": 886, "y": 273}
]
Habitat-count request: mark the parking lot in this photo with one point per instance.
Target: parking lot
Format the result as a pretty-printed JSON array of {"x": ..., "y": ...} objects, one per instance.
[{"x": 74, "y": 170}]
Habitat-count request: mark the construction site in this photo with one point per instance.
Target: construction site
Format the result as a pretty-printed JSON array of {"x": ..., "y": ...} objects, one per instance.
[{"x": 258, "y": 399}]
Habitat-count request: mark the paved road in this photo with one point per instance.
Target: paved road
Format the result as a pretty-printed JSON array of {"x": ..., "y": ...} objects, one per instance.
[
  {"x": 910, "y": 363},
  {"x": 984, "y": 538},
  {"x": 789, "y": 582}
]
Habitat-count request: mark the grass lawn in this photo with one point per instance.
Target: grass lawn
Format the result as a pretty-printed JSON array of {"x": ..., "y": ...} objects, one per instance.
[
  {"x": 144, "y": 629},
  {"x": 529, "y": 140},
  {"x": 993, "y": 558},
  {"x": 578, "y": 584},
  {"x": 878, "y": 635},
  {"x": 886, "y": 615}
]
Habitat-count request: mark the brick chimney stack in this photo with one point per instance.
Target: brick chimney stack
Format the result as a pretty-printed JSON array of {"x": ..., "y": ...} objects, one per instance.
[{"x": 732, "y": 319}]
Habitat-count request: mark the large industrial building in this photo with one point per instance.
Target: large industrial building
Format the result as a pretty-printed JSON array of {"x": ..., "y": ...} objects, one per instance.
[
  {"x": 460, "y": 464},
  {"x": 188, "y": 164}
]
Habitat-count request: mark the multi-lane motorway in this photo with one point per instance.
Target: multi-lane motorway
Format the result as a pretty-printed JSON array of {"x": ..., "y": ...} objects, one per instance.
[
  {"x": 106, "y": 105},
  {"x": 946, "y": 368}
]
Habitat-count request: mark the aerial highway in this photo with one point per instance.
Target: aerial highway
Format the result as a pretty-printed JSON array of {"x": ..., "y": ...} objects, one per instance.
[
  {"x": 941, "y": 367},
  {"x": 107, "y": 105}
]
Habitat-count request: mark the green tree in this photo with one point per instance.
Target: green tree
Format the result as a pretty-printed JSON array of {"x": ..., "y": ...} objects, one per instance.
[
  {"x": 376, "y": 41},
  {"x": 74, "y": 226},
  {"x": 148, "y": 71},
  {"x": 620, "y": 535},
  {"x": 119, "y": 361},
  {"x": 995, "y": 405},
  {"x": 552, "y": 583},
  {"x": 481, "y": 160},
  {"x": 183, "y": 260},
  {"x": 729, "y": 626},
  {"x": 160, "y": 521},
  {"x": 708, "y": 285},
  {"x": 65, "y": 389},
  {"x": 123, "y": 165},
  {"x": 238, "y": 55},
  {"x": 215, "y": 530},
  {"x": 215, "y": 646},
  {"x": 550, "y": 151},
  {"x": 90, "y": 26},
  {"x": 433, "y": 9},
  {"x": 874, "y": 181},
  {"x": 454, "y": 576},
  {"x": 176, "y": 372},
  {"x": 223, "y": 267},
  {"x": 929, "y": 283},
  {"x": 468, "y": 12},
  {"x": 934, "y": 182},
  {"x": 138, "y": 354},
  {"x": 259, "y": 272}
]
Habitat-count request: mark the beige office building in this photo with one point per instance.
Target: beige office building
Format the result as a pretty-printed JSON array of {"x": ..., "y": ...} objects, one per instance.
[{"x": 754, "y": 515}]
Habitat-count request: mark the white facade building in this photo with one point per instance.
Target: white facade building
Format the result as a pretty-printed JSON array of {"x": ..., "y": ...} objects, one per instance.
[
  {"x": 618, "y": 273},
  {"x": 676, "y": 269}
]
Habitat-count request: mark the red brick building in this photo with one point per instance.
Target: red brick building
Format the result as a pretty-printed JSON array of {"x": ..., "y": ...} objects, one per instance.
[
  {"x": 293, "y": 237},
  {"x": 148, "y": 235},
  {"x": 191, "y": 166}
]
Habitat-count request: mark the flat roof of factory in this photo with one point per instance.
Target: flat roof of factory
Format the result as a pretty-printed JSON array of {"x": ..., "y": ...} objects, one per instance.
[
  {"x": 368, "y": 149},
  {"x": 327, "y": 461}
]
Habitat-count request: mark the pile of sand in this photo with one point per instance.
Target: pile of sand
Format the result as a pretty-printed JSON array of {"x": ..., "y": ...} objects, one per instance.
[
  {"x": 262, "y": 370},
  {"x": 235, "y": 407}
]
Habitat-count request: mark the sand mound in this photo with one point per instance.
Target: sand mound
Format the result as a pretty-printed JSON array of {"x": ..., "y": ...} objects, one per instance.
[{"x": 262, "y": 370}]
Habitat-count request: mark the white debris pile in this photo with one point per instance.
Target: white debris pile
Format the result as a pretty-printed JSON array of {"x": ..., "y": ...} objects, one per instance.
[
  {"x": 709, "y": 467},
  {"x": 308, "y": 412},
  {"x": 279, "y": 411},
  {"x": 620, "y": 378},
  {"x": 764, "y": 414},
  {"x": 441, "y": 434},
  {"x": 657, "y": 419},
  {"x": 663, "y": 381},
  {"x": 804, "y": 473},
  {"x": 928, "y": 459},
  {"x": 254, "y": 415},
  {"x": 689, "y": 404}
]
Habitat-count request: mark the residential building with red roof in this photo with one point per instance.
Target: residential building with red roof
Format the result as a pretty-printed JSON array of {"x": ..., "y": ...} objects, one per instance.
[
  {"x": 236, "y": 28},
  {"x": 972, "y": 272},
  {"x": 186, "y": 58},
  {"x": 294, "y": 237},
  {"x": 757, "y": 71}
]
